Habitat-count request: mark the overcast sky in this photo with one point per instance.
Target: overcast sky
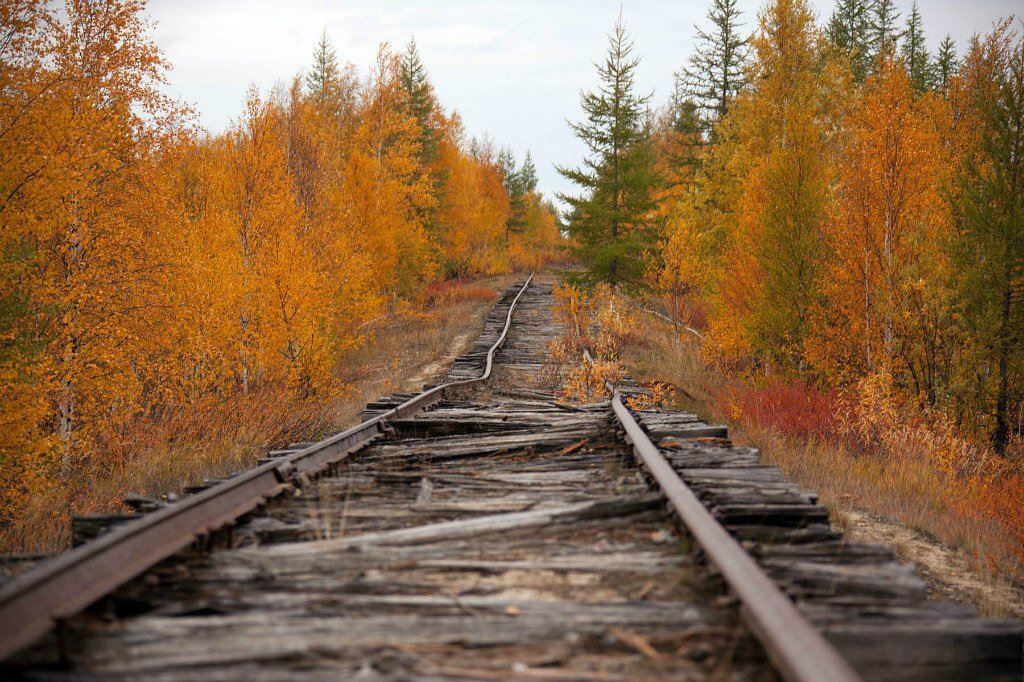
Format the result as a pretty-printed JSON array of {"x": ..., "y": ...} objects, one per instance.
[{"x": 511, "y": 68}]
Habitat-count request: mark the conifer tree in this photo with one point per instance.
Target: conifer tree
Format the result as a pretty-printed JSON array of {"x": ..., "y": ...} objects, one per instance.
[
  {"x": 422, "y": 107},
  {"x": 421, "y": 101},
  {"x": 715, "y": 71},
  {"x": 610, "y": 221},
  {"x": 519, "y": 184},
  {"x": 528, "y": 174},
  {"x": 507, "y": 162},
  {"x": 322, "y": 81},
  {"x": 682, "y": 124},
  {"x": 990, "y": 245},
  {"x": 849, "y": 32},
  {"x": 946, "y": 63},
  {"x": 883, "y": 27},
  {"x": 512, "y": 182},
  {"x": 916, "y": 59}
]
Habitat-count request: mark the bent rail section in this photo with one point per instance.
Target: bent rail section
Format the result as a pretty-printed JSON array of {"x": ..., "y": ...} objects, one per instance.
[
  {"x": 797, "y": 650},
  {"x": 31, "y": 603}
]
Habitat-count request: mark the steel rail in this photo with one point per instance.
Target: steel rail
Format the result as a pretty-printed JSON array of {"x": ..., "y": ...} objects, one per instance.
[
  {"x": 799, "y": 652},
  {"x": 59, "y": 587}
]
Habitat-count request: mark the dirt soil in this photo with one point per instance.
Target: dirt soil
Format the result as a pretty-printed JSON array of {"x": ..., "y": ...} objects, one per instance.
[{"x": 950, "y": 574}]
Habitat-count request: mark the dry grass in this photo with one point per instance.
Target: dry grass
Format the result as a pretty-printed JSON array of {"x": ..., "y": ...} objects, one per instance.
[
  {"x": 211, "y": 440},
  {"x": 907, "y": 489}
]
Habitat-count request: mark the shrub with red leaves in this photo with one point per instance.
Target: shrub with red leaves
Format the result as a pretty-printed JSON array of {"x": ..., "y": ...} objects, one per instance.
[{"x": 791, "y": 407}]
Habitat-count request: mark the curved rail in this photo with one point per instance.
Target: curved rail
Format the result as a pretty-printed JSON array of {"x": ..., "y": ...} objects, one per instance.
[
  {"x": 797, "y": 650},
  {"x": 58, "y": 588}
]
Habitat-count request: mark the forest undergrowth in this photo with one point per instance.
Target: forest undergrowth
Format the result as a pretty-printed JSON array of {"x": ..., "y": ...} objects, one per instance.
[{"x": 861, "y": 448}]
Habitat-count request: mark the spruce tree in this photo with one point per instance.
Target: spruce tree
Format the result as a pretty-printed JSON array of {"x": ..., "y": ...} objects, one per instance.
[
  {"x": 323, "y": 79},
  {"x": 507, "y": 162},
  {"x": 528, "y": 174},
  {"x": 989, "y": 248},
  {"x": 715, "y": 71},
  {"x": 518, "y": 184},
  {"x": 421, "y": 106},
  {"x": 883, "y": 27},
  {"x": 684, "y": 126},
  {"x": 610, "y": 221},
  {"x": 946, "y": 64},
  {"x": 513, "y": 187},
  {"x": 915, "y": 55},
  {"x": 849, "y": 33}
]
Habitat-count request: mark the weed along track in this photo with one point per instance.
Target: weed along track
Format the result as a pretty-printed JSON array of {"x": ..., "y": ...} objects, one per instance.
[{"x": 484, "y": 530}]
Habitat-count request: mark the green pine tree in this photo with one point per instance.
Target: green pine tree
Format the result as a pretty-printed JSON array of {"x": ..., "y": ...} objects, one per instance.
[
  {"x": 507, "y": 162},
  {"x": 715, "y": 71},
  {"x": 518, "y": 184},
  {"x": 946, "y": 64},
  {"x": 915, "y": 55},
  {"x": 883, "y": 27},
  {"x": 684, "y": 126},
  {"x": 323, "y": 79},
  {"x": 514, "y": 188},
  {"x": 849, "y": 33},
  {"x": 528, "y": 174},
  {"x": 610, "y": 222},
  {"x": 989, "y": 248},
  {"x": 422, "y": 106}
]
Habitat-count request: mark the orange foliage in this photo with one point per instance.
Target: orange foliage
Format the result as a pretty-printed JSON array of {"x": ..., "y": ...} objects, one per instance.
[
  {"x": 475, "y": 208},
  {"x": 874, "y": 422},
  {"x": 852, "y": 244},
  {"x": 539, "y": 240},
  {"x": 891, "y": 215},
  {"x": 151, "y": 271},
  {"x": 385, "y": 192},
  {"x": 600, "y": 323}
]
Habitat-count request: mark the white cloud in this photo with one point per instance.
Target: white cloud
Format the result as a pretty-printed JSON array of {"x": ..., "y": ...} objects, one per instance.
[{"x": 512, "y": 69}]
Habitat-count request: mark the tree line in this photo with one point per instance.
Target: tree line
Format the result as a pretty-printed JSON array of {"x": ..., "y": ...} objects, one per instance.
[
  {"x": 148, "y": 267},
  {"x": 840, "y": 202}
]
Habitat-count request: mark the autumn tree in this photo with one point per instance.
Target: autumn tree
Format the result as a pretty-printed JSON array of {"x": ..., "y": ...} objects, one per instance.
[
  {"x": 887, "y": 306},
  {"x": 476, "y": 208},
  {"x": 81, "y": 116},
  {"x": 539, "y": 241},
  {"x": 94, "y": 269},
  {"x": 776, "y": 146},
  {"x": 386, "y": 188},
  {"x": 989, "y": 249},
  {"x": 610, "y": 222}
]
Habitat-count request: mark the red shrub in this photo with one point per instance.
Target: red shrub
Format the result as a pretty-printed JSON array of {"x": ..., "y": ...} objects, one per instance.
[
  {"x": 790, "y": 406},
  {"x": 454, "y": 291}
]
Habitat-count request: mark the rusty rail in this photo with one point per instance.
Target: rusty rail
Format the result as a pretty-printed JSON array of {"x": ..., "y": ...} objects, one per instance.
[
  {"x": 797, "y": 650},
  {"x": 31, "y": 603}
]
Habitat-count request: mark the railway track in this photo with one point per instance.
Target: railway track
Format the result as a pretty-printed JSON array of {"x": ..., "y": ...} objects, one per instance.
[{"x": 484, "y": 530}]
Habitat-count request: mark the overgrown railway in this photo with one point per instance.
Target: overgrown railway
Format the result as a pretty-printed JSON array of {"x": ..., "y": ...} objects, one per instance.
[{"x": 484, "y": 530}]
